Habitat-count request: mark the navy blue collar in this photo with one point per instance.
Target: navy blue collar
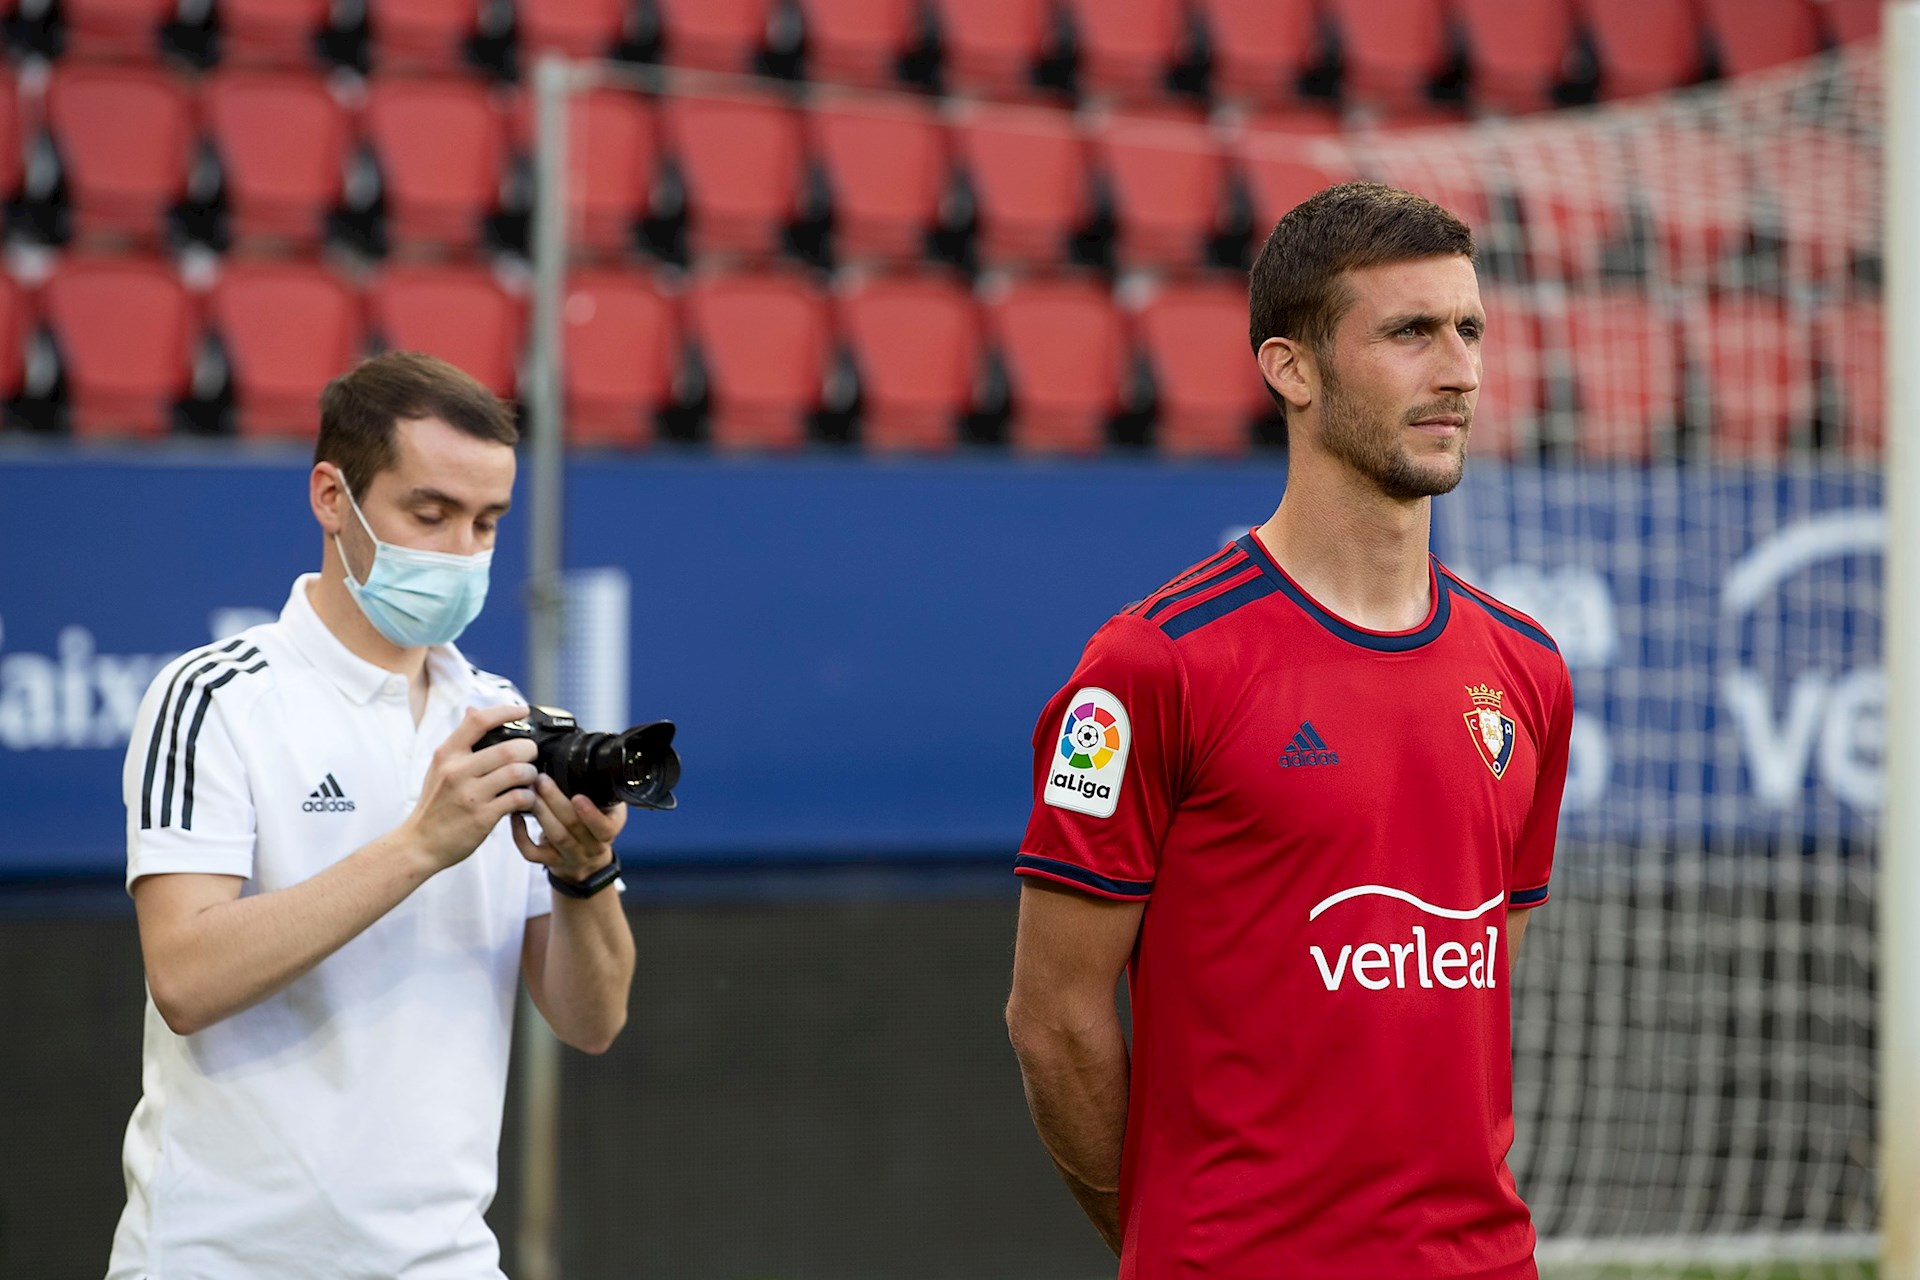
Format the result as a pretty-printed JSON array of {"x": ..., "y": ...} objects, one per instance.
[{"x": 1379, "y": 641}]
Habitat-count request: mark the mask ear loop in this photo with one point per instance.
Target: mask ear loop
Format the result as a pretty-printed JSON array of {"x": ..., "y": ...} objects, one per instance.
[{"x": 346, "y": 566}]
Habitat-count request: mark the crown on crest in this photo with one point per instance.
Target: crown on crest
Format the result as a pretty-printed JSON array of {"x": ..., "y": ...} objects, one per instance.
[{"x": 1483, "y": 696}]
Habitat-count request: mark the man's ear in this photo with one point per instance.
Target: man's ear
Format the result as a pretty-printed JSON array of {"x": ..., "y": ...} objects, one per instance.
[
  {"x": 327, "y": 492},
  {"x": 1289, "y": 368}
]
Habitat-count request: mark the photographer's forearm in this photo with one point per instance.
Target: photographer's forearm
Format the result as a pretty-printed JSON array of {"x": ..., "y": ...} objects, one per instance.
[
  {"x": 211, "y": 953},
  {"x": 581, "y": 970}
]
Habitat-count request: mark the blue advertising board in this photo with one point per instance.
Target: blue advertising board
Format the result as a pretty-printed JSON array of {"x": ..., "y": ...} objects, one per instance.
[{"x": 855, "y": 650}]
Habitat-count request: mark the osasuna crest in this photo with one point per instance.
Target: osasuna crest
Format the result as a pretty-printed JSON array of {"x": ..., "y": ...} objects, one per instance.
[
  {"x": 1492, "y": 732},
  {"x": 1090, "y": 757}
]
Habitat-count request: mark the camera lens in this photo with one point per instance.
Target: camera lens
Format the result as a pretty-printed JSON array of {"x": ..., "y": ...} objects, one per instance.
[{"x": 648, "y": 767}]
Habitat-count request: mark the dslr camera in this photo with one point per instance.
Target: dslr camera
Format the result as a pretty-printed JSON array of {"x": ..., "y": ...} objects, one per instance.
[{"x": 639, "y": 766}]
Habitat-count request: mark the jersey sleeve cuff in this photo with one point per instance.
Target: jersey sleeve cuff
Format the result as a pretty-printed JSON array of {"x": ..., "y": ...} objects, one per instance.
[
  {"x": 1527, "y": 897},
  {"x": 1078, "y": 877},
  {"x": 156, "y": 853}
]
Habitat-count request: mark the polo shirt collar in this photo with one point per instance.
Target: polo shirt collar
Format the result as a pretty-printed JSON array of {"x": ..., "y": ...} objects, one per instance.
[{"x": 447, "y": 671}]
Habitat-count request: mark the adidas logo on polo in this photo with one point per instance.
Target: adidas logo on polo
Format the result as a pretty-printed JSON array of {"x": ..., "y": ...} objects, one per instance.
[
  {"x": 1307, "y": 748},
  {"x": 328, "y": 798}
]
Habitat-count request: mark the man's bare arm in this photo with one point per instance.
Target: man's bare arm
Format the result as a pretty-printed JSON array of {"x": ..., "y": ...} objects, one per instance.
[
  {"x": 1516, "y": 930},
  {"x": 1065, "y": 1027}
]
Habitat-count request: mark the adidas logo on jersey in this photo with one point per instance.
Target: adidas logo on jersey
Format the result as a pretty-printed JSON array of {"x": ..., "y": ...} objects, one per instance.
[
  {"x": 1307, "y": 748},
  {"x": 328, "y": 798}
]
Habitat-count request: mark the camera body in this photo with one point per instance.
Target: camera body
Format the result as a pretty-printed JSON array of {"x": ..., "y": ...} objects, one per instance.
[{"x": 638, "y": 766}]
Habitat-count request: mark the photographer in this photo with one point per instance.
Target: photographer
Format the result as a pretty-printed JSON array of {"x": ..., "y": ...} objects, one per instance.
[{"x": 332, "y": 912}]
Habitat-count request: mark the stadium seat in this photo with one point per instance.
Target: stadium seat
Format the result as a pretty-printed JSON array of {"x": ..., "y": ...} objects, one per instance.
[
  {"x": 270, "y": 32},
  {"x": 1506, "y": 415},
  {"x": 713, "y": 35},
  {"x": 1853, "y": 350},
  {"x": 1850, "y": 20},
  {"x": 1696, "y": 184},
  {"x": 1644, "y": 45},
  {"x": 1626, "y": 370},
  {"x": 118, "y": 29},
  {"x": 1167, "y": 184},
  {"x": 126, "y": 331},
  {"x": 282, "y": 141},
  {"x": 1279, "y": 173},
  {"x": 288, "y": 328},
  {"x": 1210, "y": 388},
  {"x": 1755, "y": 34},
  {"x": 621, "y": 351},
  {"x": 1064, "y": 355},
  {"x": 990, "y": 46},
  {"x": 1759, "y": 368},
  {"x": 1441, "y": 178},
  {"x": 439, "y": 145},
  {"x": 14, "y": 321},
  {"x": 12, "y": 136},
  {"x": 457, "y": 313},
  {"x": 1028, "y": 169},
  {"x": 741, "y": 161},
  {"x": 1260, "y": 47},
  {"x": 421, "y": 35},
  {"x": 764, "y": 341},
  {"x": 886, "y": 165},
  {"x": 1824, "y": 186},
  {"x": 1392, "y": 49},
  {"x": 612, "y": 153},
  {"x": 1126, "y": 46},
  {"x": 1568, "y": 225},
  {"x": 857, "y": 41},
  {"x": 126, "y": 138},
  {"x": 1516, "y": 49},
  {"x": 915, "y": 342},
  {"x": 577, "y": 28}
]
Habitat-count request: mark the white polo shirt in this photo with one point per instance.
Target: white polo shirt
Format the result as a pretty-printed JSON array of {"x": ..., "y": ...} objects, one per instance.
[{"x": 349, "y": 1126}]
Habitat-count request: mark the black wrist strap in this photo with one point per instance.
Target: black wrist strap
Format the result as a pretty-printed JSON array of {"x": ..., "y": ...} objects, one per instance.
[{"x": 591, "y": 885}]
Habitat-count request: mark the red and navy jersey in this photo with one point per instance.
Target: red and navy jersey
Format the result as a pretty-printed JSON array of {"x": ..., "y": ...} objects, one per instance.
[{"x": 1328, "y": 826}]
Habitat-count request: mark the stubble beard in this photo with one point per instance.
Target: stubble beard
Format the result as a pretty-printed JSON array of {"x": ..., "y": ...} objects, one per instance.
[{"x": 1356, "y": 436}]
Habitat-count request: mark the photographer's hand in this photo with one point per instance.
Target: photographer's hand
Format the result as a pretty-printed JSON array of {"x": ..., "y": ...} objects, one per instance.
[
  {"x": 467, "y": 792},
  {"x": 578, "y": 961},
  {"x": 577, "y": 835}
]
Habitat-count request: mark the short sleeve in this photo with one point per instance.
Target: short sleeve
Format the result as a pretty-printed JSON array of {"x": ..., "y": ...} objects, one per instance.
[
  {"x": 1108, "y": 755},
  {"x": 539, "y": 892},
  {"x": 189, "y": 807},
  {"x": 1533, "y": 856}
]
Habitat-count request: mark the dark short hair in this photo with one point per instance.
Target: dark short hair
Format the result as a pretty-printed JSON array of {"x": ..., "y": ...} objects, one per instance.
[
  {"x": 1297, "y": 288},
  {"x": 360, "y": 410}
]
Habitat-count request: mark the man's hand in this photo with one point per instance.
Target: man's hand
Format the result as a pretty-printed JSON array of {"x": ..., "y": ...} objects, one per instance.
[
  {"x": 467, "y": 792},
  {"x": 577, "y": 834}
]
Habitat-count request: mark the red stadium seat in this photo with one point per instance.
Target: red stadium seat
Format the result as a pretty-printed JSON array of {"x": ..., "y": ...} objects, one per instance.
[
  {"x": 1280, "y": 172},
  {"x": 126, "y": 140},
  {"x": 1760, "y": 374},
  {"x": 1825, "y": 185},
  {"x": 715, "y": 35},
  {"x": 1167, "y": 180},
  {"x": 886, "y": 165},
  {"x": 1850, "y": 20},
  {"x": 14, "y": 319},
  {"x": 612, "y": 153},
  {"x": 621, "y": 350},
  {"x": 578, "y": 28},
  {"x": 277, "y": 32},
  {"x": 439, "y": 143},
  {"x": 1393, "y": 48},
  {"x": 741, "y": 160},
  {"x": 288, "y": 327},
  {"x": 421, "y": 34},
  {"x": 1260, "y": 47},
  {"x": 1644, "y": 45},
  {"x": 1029, "y": 173},
  {"x": 1517, "y": 48},
  {"x": 1126, "y": 46},
  {"x": 1195, "y": 337},
  {"x": 990, "y": 45},
  {"x": 764, "y": 339},
  {"x": 1756, "y": 34},
  {"x": 1064, "y": 355},
  {"x": 1506, "y": 415},
  {"x": 1627, "y": 372},
  {"x": 1696, "y": 184},
  {"x": 1853, "y": 347},
  {"x": 116, "y": 28},
  {"x": 12, "y": 135},
  {"x": 282, "y": 140},
  {"x": 916, "y": 344},
  {"x": 857, "y": 41},
  {"x": 457, "y": 313},
  {"x": 1566, "y": 187},
  {"x": 126, "y": 330}
]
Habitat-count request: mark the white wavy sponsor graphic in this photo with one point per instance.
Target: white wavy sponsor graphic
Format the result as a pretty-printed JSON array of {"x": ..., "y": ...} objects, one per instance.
[{"x": 1388, "y": 891}]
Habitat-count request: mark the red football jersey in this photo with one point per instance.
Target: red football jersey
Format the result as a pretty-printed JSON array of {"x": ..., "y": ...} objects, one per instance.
[{"x": 1328, "y": 826}]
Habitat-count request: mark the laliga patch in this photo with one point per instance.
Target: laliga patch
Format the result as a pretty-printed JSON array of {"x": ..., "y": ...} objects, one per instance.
[{"x": 1091, "y": 756}]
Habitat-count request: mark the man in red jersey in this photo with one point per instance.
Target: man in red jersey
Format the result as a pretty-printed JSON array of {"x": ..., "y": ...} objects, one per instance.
[{"x": 1305, "y": 794}]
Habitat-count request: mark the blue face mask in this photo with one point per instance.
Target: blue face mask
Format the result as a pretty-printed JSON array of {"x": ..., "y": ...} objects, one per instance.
[{"x": 417, "y": 597}]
